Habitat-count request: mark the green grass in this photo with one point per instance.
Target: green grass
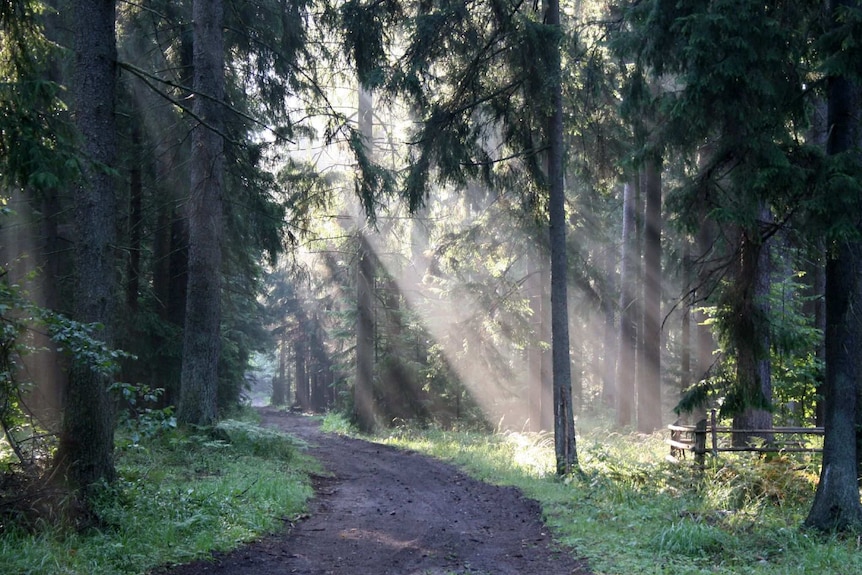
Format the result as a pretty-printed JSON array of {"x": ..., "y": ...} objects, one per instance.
[
  {"x": 334, "y": 422},
  {"x": 635, "y": 513},
  {"x": 179, "y": 497}
]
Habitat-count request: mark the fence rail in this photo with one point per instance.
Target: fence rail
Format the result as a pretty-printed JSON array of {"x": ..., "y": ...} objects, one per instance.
[{"x": 708, "y": 437}]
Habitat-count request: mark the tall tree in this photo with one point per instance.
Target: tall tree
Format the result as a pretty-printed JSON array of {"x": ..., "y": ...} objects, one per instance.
[
  {"x": 836, "y": 502},
  {"x": 201, "y": 338},
  {"x": 564, "y": 425},
  {"x": 363, "y": 386},
  {"x": 85, "y": 452},
  {"x": 303, "y": 390},
  {"x": 749, "y": 323},
  {"x": 625, "y": 374},
  {"x": 649, "y": 409},
  {"x": 280, "y": 387},
  {"x": 540, "y": 388}
]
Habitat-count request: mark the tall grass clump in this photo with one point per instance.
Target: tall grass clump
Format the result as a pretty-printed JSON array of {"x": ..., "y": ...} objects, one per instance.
[
  {"x": 180, "y": 496},
  {"x": 633, "y": 512},
  {"x": 335, "y": 422}
]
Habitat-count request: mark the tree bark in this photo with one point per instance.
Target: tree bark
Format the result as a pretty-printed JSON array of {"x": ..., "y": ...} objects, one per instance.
[
  {"x": 300, "y": 348},
  {"x": 818, "y": 135},
  {"x": 685, "y": 379},
  {"x": 649, "y": 380},
  {"x": 564, "y": 426},
  {"x": 836, "y": 502},
  {"x": 363, "y": 394},
  {"x": 819, "y": 304},
  {"x": 85, "y": 453},
  {"x": 609, "y": 341},
  {"x": 135, "y": 227},
  {"x": 201, "y": 338},
  {"x": 540, "y": 385},
  {"x": 320, "y": 366},
  {"x": 363, "y": 387},
  {"x": 279, "y": 381},
  {"x": 628, "y": 330},
  {"x": 705, "y": 342},
  {"x": 753, "y": 368}
]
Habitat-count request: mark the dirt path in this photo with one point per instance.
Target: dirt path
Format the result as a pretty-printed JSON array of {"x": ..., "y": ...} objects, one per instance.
[{"x": 391, "y": 512}]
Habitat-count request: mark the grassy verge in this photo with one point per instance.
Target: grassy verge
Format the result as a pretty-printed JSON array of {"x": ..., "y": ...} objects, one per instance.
[
  {"x": 179, "y": 497},
  {"x": 635, "y": 513}
]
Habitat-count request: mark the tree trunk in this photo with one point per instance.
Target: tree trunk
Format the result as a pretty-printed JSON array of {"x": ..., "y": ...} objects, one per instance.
[
  {"x": 540, "y": 386},
  {"x": 564, "y": 426},
  {"x": 201, "y": 338},
  {"x": 819, "y": 304},
  {"x": 704, "y": 340},
  {"x": 751, "y": 337},
  {"x": 170, "y": 280},
  {"x": 85, "y": 453},
  {"x": 321, "y": 367},
  {"x": 363, "y": 394},
  {"x": 171, "y": 242},
  {"x": 685, "y": 379},
  {"x": 818, "y": 134},
  {"x": 649, "y": 380},
  {"x": 363, "y": 387},
  {"x": 628, "y": 331},
  {"x": 279, "y": 395},
  {"x": 135, "y": 227},
  {"x": 609, "y": 341},
  {"x": 534, "y": 350},
  {"x": 836, "y": 501},
  {"x": 300, "y": 355},
  {"x": 162, "y": 245}
]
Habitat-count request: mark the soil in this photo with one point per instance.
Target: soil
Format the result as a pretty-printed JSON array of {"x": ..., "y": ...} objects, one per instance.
[{"x": 384, "y": 511}]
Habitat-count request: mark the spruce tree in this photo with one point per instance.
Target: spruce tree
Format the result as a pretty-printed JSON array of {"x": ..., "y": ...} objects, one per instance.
[
  {"x": 752, "y": 177},
  {"x": 201, "y": 335},
  {"x": 836, "y": 503},
  {"x": 85, "y": 452}
]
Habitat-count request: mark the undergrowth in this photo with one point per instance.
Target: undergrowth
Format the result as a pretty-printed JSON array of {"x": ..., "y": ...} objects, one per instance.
[
  {"x": 180, "y": 496},
  {"x": 633, "y": 512}
]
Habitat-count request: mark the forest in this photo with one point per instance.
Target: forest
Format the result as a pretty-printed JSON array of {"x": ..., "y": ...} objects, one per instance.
[{"x": 571, "y": 221}]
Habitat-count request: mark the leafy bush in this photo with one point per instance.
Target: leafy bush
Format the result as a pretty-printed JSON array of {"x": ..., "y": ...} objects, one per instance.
[
  {"x": 20, "y": 318},
  {"x": 141, "y": 417}
]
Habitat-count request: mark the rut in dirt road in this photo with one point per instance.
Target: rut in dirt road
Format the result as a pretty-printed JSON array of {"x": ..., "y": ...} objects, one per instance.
[{"x": 385, "y": 511}]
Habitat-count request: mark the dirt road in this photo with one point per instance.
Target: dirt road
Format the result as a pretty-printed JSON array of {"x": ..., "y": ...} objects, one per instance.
[{"x": 390, "y": 512}]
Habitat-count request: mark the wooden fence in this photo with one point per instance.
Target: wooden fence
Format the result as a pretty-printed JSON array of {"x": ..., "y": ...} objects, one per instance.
[{"x": 708, "y": 437}]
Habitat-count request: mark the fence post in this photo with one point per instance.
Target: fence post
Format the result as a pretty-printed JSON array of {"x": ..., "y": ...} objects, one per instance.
[
  {"x": 714, "y": 425},
  {"x": 700, "y": 442}
]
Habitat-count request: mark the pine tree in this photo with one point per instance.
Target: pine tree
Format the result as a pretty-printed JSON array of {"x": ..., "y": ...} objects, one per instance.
[
  {"x": 85, "y": 452},
  {"x": 836, "y": 503},
  {"x": 201, "y": 339},
  {"x": 625, "y": 369},
  {"x": 649, "y": 411}
]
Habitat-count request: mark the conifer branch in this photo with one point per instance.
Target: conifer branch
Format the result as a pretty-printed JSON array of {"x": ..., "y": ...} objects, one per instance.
[{"x": 151, "y": 79}]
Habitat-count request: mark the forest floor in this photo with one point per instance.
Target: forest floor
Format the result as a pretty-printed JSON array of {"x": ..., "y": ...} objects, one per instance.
[{"x": 383, "y": 511}]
